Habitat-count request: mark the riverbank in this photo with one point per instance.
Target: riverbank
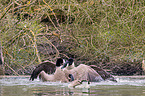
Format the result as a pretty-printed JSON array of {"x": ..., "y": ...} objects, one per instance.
[
  {"x": 117, "y": 68},
  {"x": 92, "y": 32},
  {"x": 27, "y": 76}
]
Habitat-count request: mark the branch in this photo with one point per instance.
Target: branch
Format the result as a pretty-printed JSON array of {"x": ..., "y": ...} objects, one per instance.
[{"x": 12, "y": 69}]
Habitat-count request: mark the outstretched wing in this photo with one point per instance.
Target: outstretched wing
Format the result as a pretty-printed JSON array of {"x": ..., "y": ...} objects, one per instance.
[
  {"x": 105, "y": 75},
  {"x": 47, "y": 66},
  {"x": 85, "y": 72}
]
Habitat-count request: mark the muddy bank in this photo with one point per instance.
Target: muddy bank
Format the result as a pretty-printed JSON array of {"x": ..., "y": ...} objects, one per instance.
[
  {"x": 115, "y": 68},
  {"x": 126, "y": 68},
  {"x": 121, "y": 68}
]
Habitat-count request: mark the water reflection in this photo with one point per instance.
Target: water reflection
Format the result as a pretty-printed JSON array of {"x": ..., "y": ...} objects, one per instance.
[
  {"x": 21, "y": 86},
  {"x": 50, "y": 91}
]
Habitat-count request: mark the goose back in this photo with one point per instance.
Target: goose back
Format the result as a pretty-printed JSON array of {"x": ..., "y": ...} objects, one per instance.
[
  {"x": 91, "y": 73},
  {"x": 84, "y": 72}
]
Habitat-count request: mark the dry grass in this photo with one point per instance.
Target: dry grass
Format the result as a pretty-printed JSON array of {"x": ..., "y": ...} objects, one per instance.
[{"x": 91, "y": 31}]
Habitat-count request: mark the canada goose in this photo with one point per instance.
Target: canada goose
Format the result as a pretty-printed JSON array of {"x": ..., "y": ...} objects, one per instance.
[
  {"x": 82, "y": 72},
  {"x": 91, "y": 73},
  {"x": 45, "y": 67}
]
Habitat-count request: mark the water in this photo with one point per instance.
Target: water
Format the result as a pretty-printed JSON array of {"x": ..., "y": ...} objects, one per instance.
[{"x": 21, "y": 86}]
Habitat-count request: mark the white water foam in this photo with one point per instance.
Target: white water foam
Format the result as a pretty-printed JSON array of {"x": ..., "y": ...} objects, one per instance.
[
  {"x": 13, "y": 81},
  {"x": 122, "y": 81}
]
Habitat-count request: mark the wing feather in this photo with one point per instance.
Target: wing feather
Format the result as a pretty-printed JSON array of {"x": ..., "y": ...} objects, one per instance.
[
  {"x": 105, "y": 75},
  {"x": 47, "y": 66}
]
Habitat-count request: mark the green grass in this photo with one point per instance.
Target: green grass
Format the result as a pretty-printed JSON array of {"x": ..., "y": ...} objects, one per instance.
[{"x": 90, "y": 31}]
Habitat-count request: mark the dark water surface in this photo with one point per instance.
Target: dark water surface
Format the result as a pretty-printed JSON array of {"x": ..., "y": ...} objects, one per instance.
[{"x": 21, "y": 86}]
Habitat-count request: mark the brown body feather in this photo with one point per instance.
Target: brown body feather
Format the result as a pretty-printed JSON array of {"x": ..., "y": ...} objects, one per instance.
[
  {"x": 59, "y": 75},
  {"x": 90, "y": 73},
  {"x": 84, "y": 72}
]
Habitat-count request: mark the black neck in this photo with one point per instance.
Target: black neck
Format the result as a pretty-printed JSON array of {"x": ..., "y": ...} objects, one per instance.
[
  {"x": 59, "y": 62},
  {"x": 70, "y": 61}
]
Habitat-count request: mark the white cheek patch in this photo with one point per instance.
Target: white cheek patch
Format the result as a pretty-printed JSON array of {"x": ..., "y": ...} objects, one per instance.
[
  {"x": 64, "y": 61},
  {"x": 73, "y": 63}
]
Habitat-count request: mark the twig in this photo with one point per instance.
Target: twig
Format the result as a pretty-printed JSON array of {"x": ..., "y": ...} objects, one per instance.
[
  {"x": 4, "y": 13},
  {"x": 35, "y": 45},
  {"x": 12, "y": 69},
  {"x": 57, "y": 52},
  {"x": 2, "y": 58},
  {"x": 52, "y": 12},
  {"x": 32, "y": 62}
]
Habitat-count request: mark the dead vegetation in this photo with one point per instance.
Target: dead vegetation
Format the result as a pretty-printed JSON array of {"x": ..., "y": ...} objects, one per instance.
[{"x": 109, "y": 34}]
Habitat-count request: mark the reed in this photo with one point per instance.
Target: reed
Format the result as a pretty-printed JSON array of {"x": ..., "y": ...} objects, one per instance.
[{"x": 91, "y": 31}]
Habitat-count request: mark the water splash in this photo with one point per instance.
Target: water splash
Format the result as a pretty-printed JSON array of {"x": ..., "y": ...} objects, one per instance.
[
  {"x": 13, "y": 81},
  {"x": 134, "y": 81}
]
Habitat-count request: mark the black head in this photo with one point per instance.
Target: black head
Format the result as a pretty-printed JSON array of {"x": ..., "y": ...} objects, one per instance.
[
  {"x": 70, "y": 61},
  {"x": 59, "y": 62},
  {"x": 71, "y": 77}
]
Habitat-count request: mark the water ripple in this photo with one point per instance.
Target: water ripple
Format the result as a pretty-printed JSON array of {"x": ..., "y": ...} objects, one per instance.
[{"x": 13, "y": 81}]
